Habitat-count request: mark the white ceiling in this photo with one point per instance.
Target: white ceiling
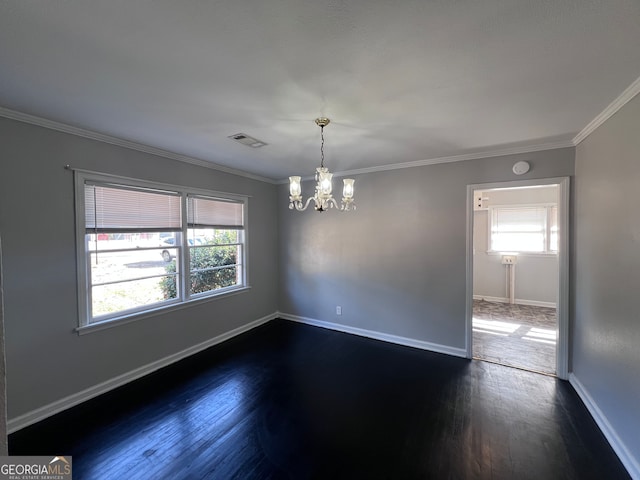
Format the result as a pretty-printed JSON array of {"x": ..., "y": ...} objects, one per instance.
[{"x": 401, "y": 81}]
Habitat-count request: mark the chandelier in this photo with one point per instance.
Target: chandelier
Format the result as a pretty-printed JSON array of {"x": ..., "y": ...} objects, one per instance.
[{"x": 322, "y": 198}]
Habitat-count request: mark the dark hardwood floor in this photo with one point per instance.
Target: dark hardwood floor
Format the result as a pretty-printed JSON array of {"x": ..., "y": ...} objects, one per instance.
[{"x": 292, "y": 401}]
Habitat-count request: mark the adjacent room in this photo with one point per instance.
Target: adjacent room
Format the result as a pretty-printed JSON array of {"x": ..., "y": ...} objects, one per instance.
[
  {"x": 320, "y": 239},
  {"x": 516, "y": 276}
]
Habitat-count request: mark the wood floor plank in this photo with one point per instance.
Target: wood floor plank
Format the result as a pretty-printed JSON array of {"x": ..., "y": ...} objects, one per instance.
[{"x": 292, "y": 401}]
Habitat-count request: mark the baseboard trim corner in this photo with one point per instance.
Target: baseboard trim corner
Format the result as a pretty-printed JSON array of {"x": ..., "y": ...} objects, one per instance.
[
  {"x": 385, "y": 337},
  {"x": 58, "y": 406},
  {"x": 625, "y": 456}
]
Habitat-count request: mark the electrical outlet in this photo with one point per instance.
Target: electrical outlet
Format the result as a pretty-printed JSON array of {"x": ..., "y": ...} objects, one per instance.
[
  {"x": 338, "y": 310},
  {"x": 509, "y": 259},
  {"x": 479, "y": 201}
]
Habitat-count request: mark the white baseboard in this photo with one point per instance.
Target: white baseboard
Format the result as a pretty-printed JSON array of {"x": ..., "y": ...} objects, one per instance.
[
  {"x": 630, "y": 463},
  {"x": 518, "y": 301},
  {"x": 385, "y": 337},
  {"x": 58, "y": 406}
]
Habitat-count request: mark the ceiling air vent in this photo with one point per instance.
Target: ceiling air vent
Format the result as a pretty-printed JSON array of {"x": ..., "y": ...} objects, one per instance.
[{"x": 245, "y": 139}]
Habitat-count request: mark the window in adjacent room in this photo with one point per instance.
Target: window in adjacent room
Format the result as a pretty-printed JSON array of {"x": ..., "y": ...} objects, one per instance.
[
  {"x": 524, "y": 229},
  {"x": 144, "y": 246}
]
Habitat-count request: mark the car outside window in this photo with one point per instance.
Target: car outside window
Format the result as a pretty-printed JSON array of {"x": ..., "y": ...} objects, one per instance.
[{"x": 144, "y": 247}]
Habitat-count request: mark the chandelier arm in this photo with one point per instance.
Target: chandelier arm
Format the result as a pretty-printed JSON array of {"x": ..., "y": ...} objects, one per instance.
[
  {"x": 308, "y": 202},
  {"x": 347, "y": 206},
  {"x": 297, "y": 204},
  {"x": 300, "y": 208}
]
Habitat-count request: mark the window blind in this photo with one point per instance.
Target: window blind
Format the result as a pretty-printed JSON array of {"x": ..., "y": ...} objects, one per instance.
[
  {"x": 519, "y": 229},
  {"x": 119, "y": 208},
  {"x": 520, "y": 219},
  {"x": 205, "y": 212}
]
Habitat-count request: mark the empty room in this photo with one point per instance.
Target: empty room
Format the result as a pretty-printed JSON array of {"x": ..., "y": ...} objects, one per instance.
[
  {"x": 319, "y": 239},
  {"x": 516, "y": 261}
]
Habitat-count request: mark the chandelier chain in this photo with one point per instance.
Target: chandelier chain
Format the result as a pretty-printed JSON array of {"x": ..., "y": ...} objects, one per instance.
[{"x": 322, "y": 146}]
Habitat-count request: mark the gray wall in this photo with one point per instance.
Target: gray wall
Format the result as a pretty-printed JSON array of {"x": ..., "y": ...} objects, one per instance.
[
  {"x": 536, "y": 275},
  {"x": 3, "y": 390},
  {"x": 606, "y": 323},
  {"x": 397, "y": 264},
  {"x": 46, "y": 360}
]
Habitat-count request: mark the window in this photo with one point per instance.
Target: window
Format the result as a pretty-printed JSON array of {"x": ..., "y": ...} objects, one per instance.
[
  {"x": 144, "y": 246},
  {"x": 215, "y": 239},
  {"x": 525, "y": 229}
]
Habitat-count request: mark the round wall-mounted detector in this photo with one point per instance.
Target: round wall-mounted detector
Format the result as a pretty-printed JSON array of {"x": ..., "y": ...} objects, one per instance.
[{"x": 521, "y": 168}]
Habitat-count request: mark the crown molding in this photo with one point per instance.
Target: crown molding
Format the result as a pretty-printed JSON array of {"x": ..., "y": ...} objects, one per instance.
[
  {"x": 624, "y": 98},
  {"x": 450, "y": 159},
  {"x": 140, "y": 147},
  {"x": 630, "y": 92}
]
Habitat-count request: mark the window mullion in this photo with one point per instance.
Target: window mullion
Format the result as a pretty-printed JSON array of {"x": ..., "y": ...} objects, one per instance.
[
  {"x": 185, "y": 253},
  {"x": 88, "y": 282},
  {"x": 242, "y": 267}
]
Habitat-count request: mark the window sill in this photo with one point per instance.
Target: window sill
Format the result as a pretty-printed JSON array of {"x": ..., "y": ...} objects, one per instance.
[
  {"x": 134, "y": 317},
  {"x": 523, "y": 254}
]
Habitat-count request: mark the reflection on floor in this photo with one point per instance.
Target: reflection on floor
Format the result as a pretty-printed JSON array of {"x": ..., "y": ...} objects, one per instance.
[
  {"x": 292, "y": 401},
  {"x": 517, "y": 335}
]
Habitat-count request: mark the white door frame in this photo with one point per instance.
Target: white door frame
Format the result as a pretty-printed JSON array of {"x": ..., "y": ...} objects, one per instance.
[{"x": 562, "y": 346}]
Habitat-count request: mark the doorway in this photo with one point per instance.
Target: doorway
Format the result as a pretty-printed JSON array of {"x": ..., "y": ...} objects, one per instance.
[{"x": 517, "y": 274}]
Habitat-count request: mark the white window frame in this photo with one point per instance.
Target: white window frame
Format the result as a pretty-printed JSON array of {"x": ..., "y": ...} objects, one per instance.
[
  {"x": 86, "y": 324},
  {"x": 547, "y": 228}
]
